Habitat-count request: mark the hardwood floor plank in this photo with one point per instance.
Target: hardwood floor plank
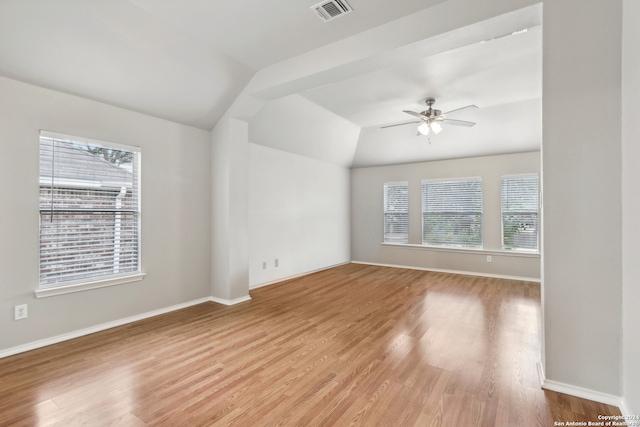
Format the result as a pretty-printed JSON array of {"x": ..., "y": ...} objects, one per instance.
[{"x": 353, "y": 345}]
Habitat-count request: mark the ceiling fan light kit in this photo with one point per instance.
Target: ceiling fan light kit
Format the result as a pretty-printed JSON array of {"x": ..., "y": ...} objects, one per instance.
[
  {"x": 432, "y": 119},
  {"x": 425, "y": 127}
]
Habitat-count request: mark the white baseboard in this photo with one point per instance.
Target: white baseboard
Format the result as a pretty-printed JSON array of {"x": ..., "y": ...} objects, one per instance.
[
  {"x": 581, "y": 392},
  {"x": 545, "y": 383},
  {"x": 540, "y": 373},
  {"x": 440, "y": 270},
  {"x": 584, "y": 393},
  {"x": 93, "y": 329},
  {"x": 624, "y": 408},
  {"x": 262, "y": 285},
  {"x": 230, "y": 302}
]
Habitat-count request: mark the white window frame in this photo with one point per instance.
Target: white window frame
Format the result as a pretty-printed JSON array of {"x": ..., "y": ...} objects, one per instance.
[
  {"x": 47, "y": 288},
  {"x": 424, "y": 207},
  {"x": 502, "y": 225},
  {"x": 386, "y": 213}
]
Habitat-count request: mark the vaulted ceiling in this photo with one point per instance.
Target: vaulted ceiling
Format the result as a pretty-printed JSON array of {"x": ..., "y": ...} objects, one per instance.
[{"x": 190, "y": 61}]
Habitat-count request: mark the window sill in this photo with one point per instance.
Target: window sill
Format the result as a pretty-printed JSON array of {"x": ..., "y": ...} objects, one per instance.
[
  {"x": 85, "y": 286},
  {"x": 465, "y": 250}
]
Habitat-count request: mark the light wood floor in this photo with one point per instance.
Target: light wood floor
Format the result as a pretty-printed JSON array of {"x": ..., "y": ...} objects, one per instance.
[{"x": 354, "y": 345}]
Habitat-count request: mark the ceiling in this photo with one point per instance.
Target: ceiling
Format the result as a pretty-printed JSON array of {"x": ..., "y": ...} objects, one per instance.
[
  {"x": 190, "y": 61},
  {"x": 259, "y": 33},
  {"x": 503, "y": 77}
]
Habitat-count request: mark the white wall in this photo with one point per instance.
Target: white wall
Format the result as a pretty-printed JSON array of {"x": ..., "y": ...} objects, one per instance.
[
  {"x": 229, "y": 198},
  {"x": 581, "y": 158},
  {"x": 175, "y": 239},
  {"x": 631, "y": 205},
  {"x": 367, "y": 215},
  {"x": 298, "y": 213},
  {"x": 283, "y": 123},
  {"x": 581, "y": 162}
]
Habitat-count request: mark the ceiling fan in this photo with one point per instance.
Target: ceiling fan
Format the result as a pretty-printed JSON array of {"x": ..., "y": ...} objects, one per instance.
[{"x": 431, "y": 119}]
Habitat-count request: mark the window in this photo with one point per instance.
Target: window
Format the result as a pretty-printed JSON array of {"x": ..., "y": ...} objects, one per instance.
[
  {"x": 396, "y": 212},
  {"x": 452, "y": 212},
  {"x": 520, "y": 212},
  {"x": 89, "y": 210}
]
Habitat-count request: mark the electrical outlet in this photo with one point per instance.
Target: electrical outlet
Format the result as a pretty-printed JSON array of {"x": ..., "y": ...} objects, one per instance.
[
  {"x": 21, "y": 312},
  {"x": 275, "y": 262},
  {"x": 264, "y": 265},
  {"x": 489, "y": 259}
]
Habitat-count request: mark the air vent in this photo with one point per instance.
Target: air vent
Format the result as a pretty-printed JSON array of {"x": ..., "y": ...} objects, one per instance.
[{"x": 329, "y": 10}]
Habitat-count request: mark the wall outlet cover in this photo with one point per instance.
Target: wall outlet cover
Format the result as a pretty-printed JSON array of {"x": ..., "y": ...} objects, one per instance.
[{"x": 20, "y": 312}]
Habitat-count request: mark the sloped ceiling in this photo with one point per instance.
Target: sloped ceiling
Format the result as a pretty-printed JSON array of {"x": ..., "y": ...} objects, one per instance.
[
  {"x": 259, "y": 33},
  {"x": 299, "y": 126},
  {"x": 114, "y": 52},
  {"x": 274, "y": 64},
  {"x": 502, "y": 76},
  {"x": 495, "y": 64}
]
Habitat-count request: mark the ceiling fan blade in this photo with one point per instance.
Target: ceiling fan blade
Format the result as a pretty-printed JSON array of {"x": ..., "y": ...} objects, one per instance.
[
  {"x": 399, "y": 124},
  {"x": 413, "y": 113},
  {"x": 458, "y": 122},
  {"x": 459, "y": 109}
]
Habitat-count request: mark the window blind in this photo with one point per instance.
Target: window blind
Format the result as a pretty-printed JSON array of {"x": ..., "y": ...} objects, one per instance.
[
  {"x": 520, "y": 212},
  {"x": 89, "y": 210},
  {"x": 396, "y": 212},
  {"x": 452, "y": 212}
]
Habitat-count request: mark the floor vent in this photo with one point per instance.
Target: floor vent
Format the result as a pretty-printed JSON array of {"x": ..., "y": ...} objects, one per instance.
[{"x": 330, "y": 10}]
